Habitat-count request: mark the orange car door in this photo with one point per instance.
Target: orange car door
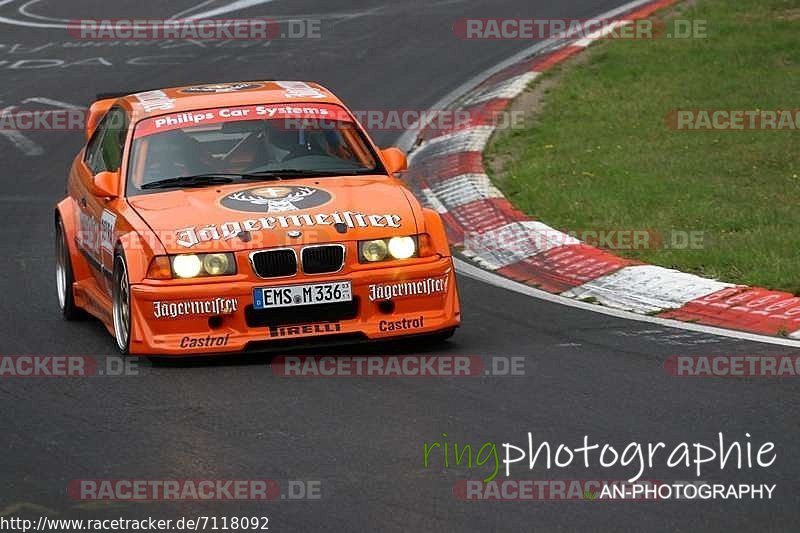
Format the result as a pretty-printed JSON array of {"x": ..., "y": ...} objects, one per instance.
[{"x": 97, "y": 222}]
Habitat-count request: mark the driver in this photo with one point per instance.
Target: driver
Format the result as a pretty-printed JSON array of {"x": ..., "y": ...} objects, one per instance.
[
  {"x": 174, "y": 154},
  {"x": 294, "y": 142}
]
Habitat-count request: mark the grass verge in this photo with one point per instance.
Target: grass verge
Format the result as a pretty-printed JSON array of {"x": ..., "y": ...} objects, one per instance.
[{"x": 597, "y": 153}]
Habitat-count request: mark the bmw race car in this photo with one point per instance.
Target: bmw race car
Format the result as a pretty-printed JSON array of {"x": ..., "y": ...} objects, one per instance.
[{"x": 232, "y": 217}]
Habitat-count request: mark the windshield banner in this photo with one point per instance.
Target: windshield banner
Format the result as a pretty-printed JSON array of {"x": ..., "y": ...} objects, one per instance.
[{"x": 209, "y": 117}]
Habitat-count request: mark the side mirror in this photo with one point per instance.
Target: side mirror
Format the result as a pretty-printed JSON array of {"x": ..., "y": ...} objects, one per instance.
[
  {"x": 395, "y": 160},
  {"x": 105, "y": 185}
]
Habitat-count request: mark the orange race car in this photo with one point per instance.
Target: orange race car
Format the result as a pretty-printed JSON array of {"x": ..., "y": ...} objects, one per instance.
[{"x": 237, "y": 216}]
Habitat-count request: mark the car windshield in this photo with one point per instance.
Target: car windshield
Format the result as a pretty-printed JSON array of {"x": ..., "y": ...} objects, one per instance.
[{"x": 267, "y": 142}]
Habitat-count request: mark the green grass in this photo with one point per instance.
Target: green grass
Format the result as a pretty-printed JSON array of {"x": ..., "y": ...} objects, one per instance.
[{"x": 599, "y": 155}]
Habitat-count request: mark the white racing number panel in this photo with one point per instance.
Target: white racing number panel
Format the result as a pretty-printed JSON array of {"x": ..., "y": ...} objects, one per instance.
[{"x": 297, "y": 295}]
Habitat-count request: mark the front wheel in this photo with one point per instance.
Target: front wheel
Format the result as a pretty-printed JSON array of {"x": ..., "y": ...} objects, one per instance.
[
  {"x": 64, "y": 277},
  {"x": 121, "y": 304}
]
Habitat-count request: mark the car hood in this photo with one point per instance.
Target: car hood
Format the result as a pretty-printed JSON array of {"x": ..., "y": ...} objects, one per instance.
[{"x": 254, "y": 215}]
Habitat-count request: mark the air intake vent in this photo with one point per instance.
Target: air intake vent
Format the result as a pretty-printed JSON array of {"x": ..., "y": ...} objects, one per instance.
[
  {"x": 323, "y": 259},
  {"x": 305, "y": 314},
  {"x": 275, "y": 263}
]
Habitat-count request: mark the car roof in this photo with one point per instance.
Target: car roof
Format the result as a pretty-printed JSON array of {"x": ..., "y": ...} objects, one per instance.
[{"x": 189, "y": 98}]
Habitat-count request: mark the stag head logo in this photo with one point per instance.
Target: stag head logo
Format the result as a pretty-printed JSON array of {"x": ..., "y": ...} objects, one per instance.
[
  {"x": 276, "y": 199},
  {"x": 221, "y": 88}
]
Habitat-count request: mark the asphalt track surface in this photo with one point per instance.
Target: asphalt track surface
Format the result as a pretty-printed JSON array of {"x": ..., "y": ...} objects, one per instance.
[{"x": 585, "y": 373}]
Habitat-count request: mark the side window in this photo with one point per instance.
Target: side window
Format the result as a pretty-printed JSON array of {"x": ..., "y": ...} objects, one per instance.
[
  {"x": 114, "y": 139},
  {"x": 104, "y": 151},
  {"x": 93, "y": 157}
]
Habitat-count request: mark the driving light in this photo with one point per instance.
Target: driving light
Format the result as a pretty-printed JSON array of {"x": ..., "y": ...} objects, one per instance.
[
  {"x": 216, "y": 264},
  {"x": 402, "y": 247},
  {"x": 160, "y": 268},
  {"x": 187, "y": 266},
  {"x": 374, "y": 251}
]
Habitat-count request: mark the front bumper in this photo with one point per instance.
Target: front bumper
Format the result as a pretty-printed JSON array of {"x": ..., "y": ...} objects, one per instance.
[{"x": 214, "y": 318}]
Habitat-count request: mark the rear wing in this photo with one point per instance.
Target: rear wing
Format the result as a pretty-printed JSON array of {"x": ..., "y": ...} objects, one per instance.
[
  {"x": 103, "y": 102},
  {"x": 112, "y": 96},
  {"x": 116, "y": 95},
  {"x": 98, "y": 110}
]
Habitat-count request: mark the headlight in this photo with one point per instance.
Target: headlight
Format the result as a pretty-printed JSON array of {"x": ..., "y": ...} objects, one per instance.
[
  {"x": 374, "y": 251},
  {"x": 216, "y": 264},
  {"x": 194, "y": 266},
  {"x": 387, "y": 249},
  {"x": 187, "y": 266},
  {"x": 402, "y": 247}
]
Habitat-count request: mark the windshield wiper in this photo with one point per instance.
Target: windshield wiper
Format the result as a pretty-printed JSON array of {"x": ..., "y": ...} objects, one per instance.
[
  {"x": 221, "y": 178},
  {"x": 199, "y": 180},
  {"x": 299, "y": 173}
]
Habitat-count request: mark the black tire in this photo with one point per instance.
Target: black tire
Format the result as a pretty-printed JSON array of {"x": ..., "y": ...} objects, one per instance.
[
  {"x": 65, "y": 278},
  {"x": 121, "y": 304}
]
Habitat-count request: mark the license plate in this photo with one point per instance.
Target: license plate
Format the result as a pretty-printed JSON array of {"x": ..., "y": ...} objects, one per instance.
[{"x": 297, "y": 295}]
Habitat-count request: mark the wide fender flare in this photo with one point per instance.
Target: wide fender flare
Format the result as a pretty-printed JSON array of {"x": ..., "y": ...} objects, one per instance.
[
  {"x": 65, "y": 210},
  {"x": 138, "y": 252},
  {"x": 435, "y": 228}
]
